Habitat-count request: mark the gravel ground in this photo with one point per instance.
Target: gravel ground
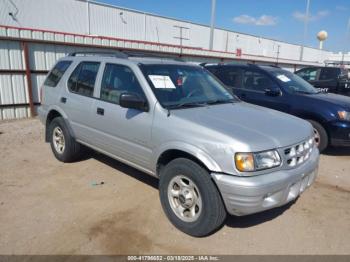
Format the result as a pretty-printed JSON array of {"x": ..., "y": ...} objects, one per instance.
[{"x": 48, "y": 207}]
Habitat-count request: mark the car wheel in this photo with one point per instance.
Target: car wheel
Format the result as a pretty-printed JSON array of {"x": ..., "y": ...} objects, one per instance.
[
  {"x": 63, "y": 145},
  {"x": 190, "y": 198},
  {"x": 320, "y": 135}
]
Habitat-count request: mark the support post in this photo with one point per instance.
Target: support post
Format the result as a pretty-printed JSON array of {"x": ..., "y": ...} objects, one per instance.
[
  {"x": 28, "y": 77},
  {"x": 212, "y": 23}
]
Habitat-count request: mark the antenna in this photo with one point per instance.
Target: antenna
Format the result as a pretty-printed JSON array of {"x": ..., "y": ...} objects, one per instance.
[{"x": 181, "y": 35}]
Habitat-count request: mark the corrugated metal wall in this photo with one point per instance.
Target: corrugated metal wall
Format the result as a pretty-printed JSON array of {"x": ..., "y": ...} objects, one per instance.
[
  {"x": 12, "y": 86},
  {"x": 87, "y": 17},
  {"x": 14, "y": 97}
]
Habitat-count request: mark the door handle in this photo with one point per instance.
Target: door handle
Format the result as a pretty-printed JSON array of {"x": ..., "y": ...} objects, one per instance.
[
  {"x": 100, "y": 111},
  {"x": 243, "y": 95},
  {"x": 63, "y": 100}
]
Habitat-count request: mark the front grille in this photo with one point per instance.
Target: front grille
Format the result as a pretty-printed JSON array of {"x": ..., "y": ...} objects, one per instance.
[{"x": 299, "y": 153}]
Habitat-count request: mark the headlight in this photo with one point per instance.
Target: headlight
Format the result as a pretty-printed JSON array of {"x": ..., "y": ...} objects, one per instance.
[
  {"x": 247, "y": 162},
  {"x": 344, "y": 115}
]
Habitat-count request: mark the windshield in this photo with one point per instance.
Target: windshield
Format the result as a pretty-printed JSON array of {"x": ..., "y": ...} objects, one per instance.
[
  {"x": 178, "y": 86},
  {"x": 293, "y": 82}
]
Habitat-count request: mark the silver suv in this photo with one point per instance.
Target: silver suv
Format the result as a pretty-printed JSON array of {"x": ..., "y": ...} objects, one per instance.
[{"x": 213, "y": 154}]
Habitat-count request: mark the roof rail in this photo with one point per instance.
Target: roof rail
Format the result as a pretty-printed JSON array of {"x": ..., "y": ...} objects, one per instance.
[
  {"x": 116, "y": 54},
  {"x": 274, "y": 66},
  {"x": 211, "y": 64},
  {"x": 151, "y": 55}
]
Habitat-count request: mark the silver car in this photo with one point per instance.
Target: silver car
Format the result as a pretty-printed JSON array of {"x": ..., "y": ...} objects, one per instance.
[{"x": 213, "y": 154}]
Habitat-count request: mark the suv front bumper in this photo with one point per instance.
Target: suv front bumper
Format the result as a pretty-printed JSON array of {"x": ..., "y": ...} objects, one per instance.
[{"x": 248, "y": 195}]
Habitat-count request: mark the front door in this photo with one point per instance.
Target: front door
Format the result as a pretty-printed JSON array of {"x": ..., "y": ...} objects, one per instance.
[
  {"x": 123, "y": 132},
  {"x": 258, "y": 88}
]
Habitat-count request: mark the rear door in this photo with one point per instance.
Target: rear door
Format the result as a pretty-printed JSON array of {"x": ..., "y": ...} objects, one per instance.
[
  {"x": 344, "y": 82},
  {"x": 123, "y": 132},
  {"x": 328, "y": 79},
  {"x": 77, "y": 99},
  {"x": 255, "y": 89}
]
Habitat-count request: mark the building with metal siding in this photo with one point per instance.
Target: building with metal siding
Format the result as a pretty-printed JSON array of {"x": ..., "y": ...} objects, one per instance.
[{"x": 32, "y": 39}]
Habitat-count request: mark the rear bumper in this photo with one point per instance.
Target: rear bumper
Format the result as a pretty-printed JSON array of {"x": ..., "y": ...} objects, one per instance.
[
  {"x": 339, "y": 132},
  {"x": 248, "y": 195}
]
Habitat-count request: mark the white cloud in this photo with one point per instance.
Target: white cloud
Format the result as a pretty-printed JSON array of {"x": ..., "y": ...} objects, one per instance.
[
  {"x": 312, "y": 17},
  {"x": 341, "y": 8},
  {"x": 264, "y": 20}
]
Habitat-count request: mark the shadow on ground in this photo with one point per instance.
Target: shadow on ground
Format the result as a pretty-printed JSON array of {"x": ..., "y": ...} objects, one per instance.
[
  {"x": 258, "y": 218},
  {"x": 337, "y": 151},
  {"x": 231, "y": 221},
  {"x": 128, "y": 170}
]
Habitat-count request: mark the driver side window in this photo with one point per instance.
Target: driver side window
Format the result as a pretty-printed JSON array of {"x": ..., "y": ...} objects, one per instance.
[
  {"x": 118, "y": 79},
  {"x": 256, "y": 81},
  {"x": 309, "y": 74}
]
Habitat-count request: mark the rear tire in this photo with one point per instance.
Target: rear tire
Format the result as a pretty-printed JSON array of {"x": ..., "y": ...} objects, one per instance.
[
  {"x": 63, "y": 145},
  {"x": 190, "y": 198},
  {"x": 321, "y": 136}
]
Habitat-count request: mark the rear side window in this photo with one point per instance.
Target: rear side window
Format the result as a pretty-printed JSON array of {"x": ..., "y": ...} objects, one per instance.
[
  {"x": 82, "y": 80},
  {"x": 329, "y": 73},
  {"x": 231, "y": 77},
  {"x": 56, "y": 73}
]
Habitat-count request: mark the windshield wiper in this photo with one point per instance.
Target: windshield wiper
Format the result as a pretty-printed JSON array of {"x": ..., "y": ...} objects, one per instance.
[
  {"x": 220, "y": 101},
  {"x": 186, "y": 105}
]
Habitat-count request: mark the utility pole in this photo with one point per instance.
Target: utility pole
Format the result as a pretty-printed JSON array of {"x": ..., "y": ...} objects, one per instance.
[
  {"x": 278, "y": 53},
  {"x": 212, "y": 23},
  {"x": 306, "y": 21},
  {"x": 347, "y": 37},
  {"x": 181, "y": 28}
]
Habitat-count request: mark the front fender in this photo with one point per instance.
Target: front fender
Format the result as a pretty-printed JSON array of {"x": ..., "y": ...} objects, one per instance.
[{"x": 196, "y": 152}]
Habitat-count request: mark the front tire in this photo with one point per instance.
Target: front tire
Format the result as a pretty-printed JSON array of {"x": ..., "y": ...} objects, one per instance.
[
  {"x": 190, "y": 198},
  {"x": 63, "y": 145},
  {"x": 321, "y": 136}
]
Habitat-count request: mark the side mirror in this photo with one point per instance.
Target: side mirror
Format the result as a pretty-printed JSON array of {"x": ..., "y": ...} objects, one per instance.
[
  {"x": 130, "y": 100},
  {"x": 273, "y": 92}
]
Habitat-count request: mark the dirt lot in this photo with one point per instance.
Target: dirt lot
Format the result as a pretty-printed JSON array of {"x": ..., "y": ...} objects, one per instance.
[{"x": 47, "y": 207}]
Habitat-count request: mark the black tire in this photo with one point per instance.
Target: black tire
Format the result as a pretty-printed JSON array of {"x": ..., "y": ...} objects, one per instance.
[
  {"x": 213, "y": 212},
  {"x": 323, "y": 136},
  {"x": 72, "y": 149}
]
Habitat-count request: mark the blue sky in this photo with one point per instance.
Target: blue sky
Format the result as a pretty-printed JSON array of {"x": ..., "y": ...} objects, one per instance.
[{"x": 277, "y": 19}]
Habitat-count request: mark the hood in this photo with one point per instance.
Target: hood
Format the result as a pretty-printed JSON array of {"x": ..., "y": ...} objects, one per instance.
[
  {"x": 337, "y": 100},
  {"x": 248, "y": 126}
]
